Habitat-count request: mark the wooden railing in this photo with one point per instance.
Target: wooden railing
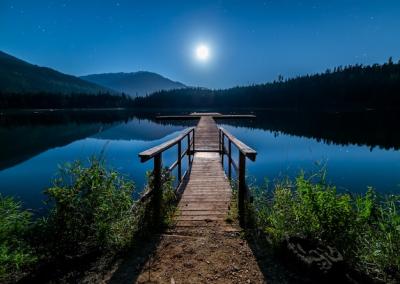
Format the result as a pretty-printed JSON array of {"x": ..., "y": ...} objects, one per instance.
[
  {"x": 156, "y": 152},
  {"x": 240, "y": 166},
  {"x": 225, "y": 148}
]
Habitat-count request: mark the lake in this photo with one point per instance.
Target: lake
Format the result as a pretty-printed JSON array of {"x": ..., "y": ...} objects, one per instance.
[{"x": 357, "y": 150}]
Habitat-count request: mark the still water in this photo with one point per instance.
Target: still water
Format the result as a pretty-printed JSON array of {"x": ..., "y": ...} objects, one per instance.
[{"x": 32, "y": 149}]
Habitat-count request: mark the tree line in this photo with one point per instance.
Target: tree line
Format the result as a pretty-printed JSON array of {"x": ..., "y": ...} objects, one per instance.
[
  {"x": 50, "y": 100},
  {"x": 351, "y": 87}
]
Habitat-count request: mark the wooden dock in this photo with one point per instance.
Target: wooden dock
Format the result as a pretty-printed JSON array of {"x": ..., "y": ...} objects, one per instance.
[
  {"x": 206, "y": 189},
  {"x": 207, "y": 194},
  {"x": 197, "y": 115}
]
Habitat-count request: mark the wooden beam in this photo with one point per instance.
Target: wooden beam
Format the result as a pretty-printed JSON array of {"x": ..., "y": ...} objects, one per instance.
[
  {"x": 150, "y": 153},
  {"x": 246, "y": 150}
]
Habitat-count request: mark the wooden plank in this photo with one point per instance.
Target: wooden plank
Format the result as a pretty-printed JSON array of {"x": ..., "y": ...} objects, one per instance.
[
  {"x": 201, "y": 212},
  {"x": 205, "y": 217},
  {"x": 199, "y": 115},
  {"x": 206, "y": 198}
]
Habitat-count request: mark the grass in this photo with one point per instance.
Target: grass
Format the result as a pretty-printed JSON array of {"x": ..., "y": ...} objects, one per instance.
[
  {"x": 169, "y": 199},
  {"x": 365, "y": 228},
  {"x": 15, "y": 252},
  {"x": 92, "y": 211},
  {"x": 233, "y": 212}
]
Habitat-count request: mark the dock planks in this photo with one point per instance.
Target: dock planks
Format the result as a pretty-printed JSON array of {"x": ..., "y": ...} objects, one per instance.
[
  {"x": 206, "y": 197},
  {"x": 206, "y": 135}
]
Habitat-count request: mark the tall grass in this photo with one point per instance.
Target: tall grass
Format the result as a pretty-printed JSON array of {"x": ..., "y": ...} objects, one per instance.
[
  {"x": 92, "y": 210},
  {"x": 366, "y": 229},
  {"x": 15, "y": 251}
]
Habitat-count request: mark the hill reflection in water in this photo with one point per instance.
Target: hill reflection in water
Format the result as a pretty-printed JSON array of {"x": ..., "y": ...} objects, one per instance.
[{"x": 32, "y": 145}]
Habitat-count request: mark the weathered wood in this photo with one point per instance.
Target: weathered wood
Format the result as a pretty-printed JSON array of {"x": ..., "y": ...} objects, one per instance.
[
  {"x": 151, "y": 153},
  {"x": 246, "y": 150},
  {"x": 199, "y": 115},
  {"x": 242, "y": 188},
  {"x": 206, "y": 133},
  {"x": 156, "y": 198},
  {"x": 230, "y": 160},
  {"x": 207, "y": 195},
  {"x": 206, "y": 189},
  {"x": 189, "y": 152},
  {"x": 179, "y": 161}
]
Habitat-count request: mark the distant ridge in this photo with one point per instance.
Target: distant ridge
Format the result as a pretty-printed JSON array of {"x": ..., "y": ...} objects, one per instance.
[
  {"x": 18, "y": 76},
  {"x": 135, "y": 83}
]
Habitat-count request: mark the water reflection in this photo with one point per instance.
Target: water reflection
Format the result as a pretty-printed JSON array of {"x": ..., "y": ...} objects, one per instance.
[
  {"x": 368, "y": 128},
  {"x": 359, "y": 149},
  {"x": 33, "y": 149}
]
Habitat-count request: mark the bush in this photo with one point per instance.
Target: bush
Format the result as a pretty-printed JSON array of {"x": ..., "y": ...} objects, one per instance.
[
  {"x": 15, "y": 252},
  {"x": 366, "y": 229},
  {"x": 168, "y": 199},
  {"x": 378, "y": 241},
  {"x": 93, "y": 209}
]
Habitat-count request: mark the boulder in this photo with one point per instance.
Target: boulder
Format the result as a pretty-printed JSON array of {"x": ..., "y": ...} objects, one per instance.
[{"x": 316, "y": 258}]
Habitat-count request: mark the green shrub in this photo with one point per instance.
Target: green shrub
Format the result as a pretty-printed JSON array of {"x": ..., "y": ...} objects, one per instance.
[
  {"x": 366, "y": 229},
  {"x": 378, "y": 241},
  {"x": 15, "y": 252},
  {"x": 168, "y": 200},
  {"x": 93, "y": 209}
]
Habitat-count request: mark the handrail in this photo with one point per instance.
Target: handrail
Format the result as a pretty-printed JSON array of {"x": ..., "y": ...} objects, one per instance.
[
  {"x": 246, "y": 150},
  {"x": 240, "y": 167},
  {"x": 155, "y": 153},
  {"x": 152, "y": 152}
]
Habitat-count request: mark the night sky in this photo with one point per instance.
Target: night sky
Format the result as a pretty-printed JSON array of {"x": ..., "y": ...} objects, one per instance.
[{"x": 249, "y": 41}]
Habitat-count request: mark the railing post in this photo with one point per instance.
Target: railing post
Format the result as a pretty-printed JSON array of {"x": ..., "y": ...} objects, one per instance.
[
  {"x": 188, "y": 149},
  {"x": 219, "y": 140},
  {"x": 222, "y": 148},
  {"x": 156, "y": 199},
  {"x": 230, "y": 160},
  {"x": 179, "y": 160},
  {"x": 242, "y": 188},
  {"x": 193, "y": 140}
]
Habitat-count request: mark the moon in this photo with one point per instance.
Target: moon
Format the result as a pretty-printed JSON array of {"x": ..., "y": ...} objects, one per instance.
[{"x": 202, "y": 52}]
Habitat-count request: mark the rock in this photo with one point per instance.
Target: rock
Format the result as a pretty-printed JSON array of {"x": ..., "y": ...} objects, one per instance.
[
  {"x": 188, "y": 264},
  {"x": 314, "y": 256}
]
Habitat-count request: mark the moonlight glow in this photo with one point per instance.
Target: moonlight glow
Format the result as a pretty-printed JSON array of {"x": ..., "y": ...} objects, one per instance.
[{"x": 202, "y": 52}]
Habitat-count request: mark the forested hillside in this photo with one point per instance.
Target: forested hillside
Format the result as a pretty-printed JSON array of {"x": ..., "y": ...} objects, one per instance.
[
  {"x": 18, "y": 77},
  {"x": 350, "y": 87},
  {"x": 134, "y": 84}
]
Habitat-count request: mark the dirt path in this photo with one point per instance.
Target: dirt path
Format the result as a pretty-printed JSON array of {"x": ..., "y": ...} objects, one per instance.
[
  {"x": 210, "y": 257},
  {"x": 205, "y": 256}
]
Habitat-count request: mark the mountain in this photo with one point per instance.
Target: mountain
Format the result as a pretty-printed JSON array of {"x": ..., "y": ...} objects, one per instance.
[
  {"x": 135, "y": 83},
  {"x": 18, "y": 76}
]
